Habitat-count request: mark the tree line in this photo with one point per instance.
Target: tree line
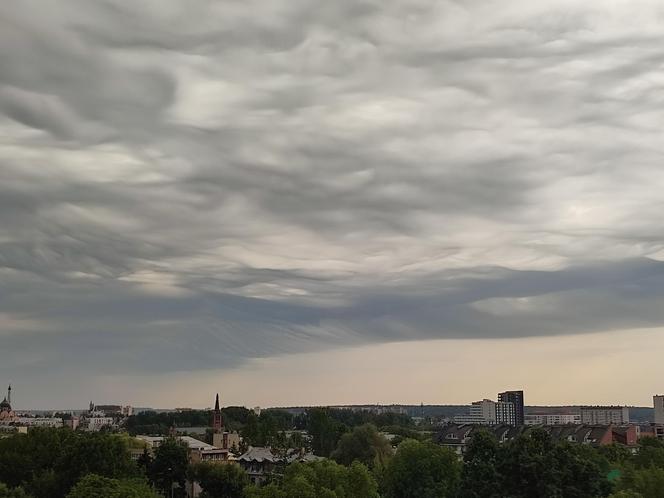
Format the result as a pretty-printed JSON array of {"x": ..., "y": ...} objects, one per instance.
[{"x": 60, "y": 463}]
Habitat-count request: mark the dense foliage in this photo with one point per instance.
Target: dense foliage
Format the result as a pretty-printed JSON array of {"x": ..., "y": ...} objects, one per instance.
[
  {"x": 323, "y": 479},
  {"x": 219, "y": 481},
  {"x": 365, "y": 445},
  {"x": 60, "y": 463},
  {"x": 48, "y": 462},
  {"x": 94, "y": 486}
]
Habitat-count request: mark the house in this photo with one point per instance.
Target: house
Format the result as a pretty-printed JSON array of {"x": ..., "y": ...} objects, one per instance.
[
  {"x": 457, "y": 437},
  {"x": 260, "y": 463}
]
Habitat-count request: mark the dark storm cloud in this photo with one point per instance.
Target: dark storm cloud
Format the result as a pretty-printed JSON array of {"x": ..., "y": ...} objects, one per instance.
[{"x": 188, "y": 186}]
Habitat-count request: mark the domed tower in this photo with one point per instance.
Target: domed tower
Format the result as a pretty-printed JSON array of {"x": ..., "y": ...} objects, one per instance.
[{"x": 6, "y": 412}]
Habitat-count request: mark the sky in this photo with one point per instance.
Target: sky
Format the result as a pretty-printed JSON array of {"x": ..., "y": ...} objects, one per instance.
[{"x": 293, "y": 202}]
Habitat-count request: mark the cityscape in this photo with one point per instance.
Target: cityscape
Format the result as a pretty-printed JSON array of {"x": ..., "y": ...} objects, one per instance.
[
  {"x": 344, "y": 249},
  {"x": 228, "y": 443}
]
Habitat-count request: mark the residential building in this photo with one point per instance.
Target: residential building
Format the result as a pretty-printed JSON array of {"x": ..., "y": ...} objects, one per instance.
[
  {"x": 552, "y": 419},
  {"x": 72, "y": 422},
  {"x": 516, "y": 398},
  {"x": 94, "y": 424},
  {"x": 260, "y": 462},
  {"x": 39, "y": 421},
  {"x": 488, "y": 412},
  {"x": 479, "y": 412},
  {"x": 457, "y": 437},
  {"x": 115, "y": 410},
  {"x": 658, "y": 431},
  {"x": 153, "y": 442},
  {"x": 658, "y": 403},
  {"x": 605, "y": 415},
  {"x": 505, "y": 413}
]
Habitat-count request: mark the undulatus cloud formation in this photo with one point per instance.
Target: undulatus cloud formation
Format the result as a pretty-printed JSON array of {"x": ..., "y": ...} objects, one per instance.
[{"x": 188, "y": 186}]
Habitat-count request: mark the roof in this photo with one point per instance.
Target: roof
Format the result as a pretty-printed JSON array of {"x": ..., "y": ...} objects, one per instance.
[
  {"x": 258, "y": 454},
  {"x": 192, "y": 444},
  {"x": 263, "y": 454}
]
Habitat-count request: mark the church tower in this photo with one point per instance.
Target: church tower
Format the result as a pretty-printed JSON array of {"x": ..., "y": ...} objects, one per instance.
[{"x": 217, "y": 417}]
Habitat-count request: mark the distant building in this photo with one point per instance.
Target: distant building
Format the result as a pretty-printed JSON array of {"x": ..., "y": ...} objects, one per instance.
[
  {"x": 658, "y": 403},
  {"x": 479, "y": 412},
  {"x": 72, "y": 423},
  {"x": 552, "y": 419},
  {"x": 110, "y": 410},
  {"x": 506, "y": 413},
  {"x": 488, "y": 412},
  {"x": 658, "y": 431},
  {"x": 94, "y": 424},
  {"x": 222, "y": 438},
  {"x": 7, "y": 415},
  {"x": 605, "y": 415},
  {"x": 39, "y": 422},
  {"x": 516, "y": 398},
  {"x": 260, "y": 463},
  {"x": 457, "y": 437}
]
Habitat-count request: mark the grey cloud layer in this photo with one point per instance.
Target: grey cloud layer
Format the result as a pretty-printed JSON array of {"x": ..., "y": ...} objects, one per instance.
[{"x": 188, "y": 186}]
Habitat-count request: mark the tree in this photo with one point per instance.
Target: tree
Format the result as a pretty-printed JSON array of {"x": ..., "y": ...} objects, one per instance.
[
  {"x": 533, "y": 466},
  {"x": 480, "y": 477},
  {"x": 95, "y": 453},
  {"x": 48, "y": 462},
  {"x": 364, "y": 444},
  {"x": 422, "y": 470},
  {"x": 325, "y": 431},
  {"x": 169, "y": 466},
  {"x": 219, "y": 480},
  {"x": 650, "y": 454},
  {"x": 321, "y": 479},
  {"x": 360, "y": 482},
  {"x": 6, "y": 492},
  {"x": 648, "y": 482},
  {"x": 272, "y": 490},
  {"x": 95, "y": 486},
  {"x": 626, "y": 494}
]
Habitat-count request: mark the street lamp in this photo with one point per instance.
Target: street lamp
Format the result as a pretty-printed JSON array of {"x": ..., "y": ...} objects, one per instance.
[{"x": 170, "y": 473}]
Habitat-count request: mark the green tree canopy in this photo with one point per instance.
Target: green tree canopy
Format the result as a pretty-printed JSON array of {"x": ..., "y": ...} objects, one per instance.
[
  {"x": 95, "y": 486},
  {"x": 648, "y": 482},
  {"x": 533, "y": 466},
  {"x": 219, "y": 480},
  {"x": 422, "y": 470},
  {"x": 480, "y": 477},
  {"x": 6, "y": 492},
  {"x": 325, "y": 431},
  {"x": 169, "y": 466},
  {"x": 322, "y": 479},
  {"x": 364, "y": 444}
]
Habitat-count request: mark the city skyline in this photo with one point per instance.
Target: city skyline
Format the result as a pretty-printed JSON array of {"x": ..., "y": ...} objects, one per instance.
[{"x": 394, "y": 202}]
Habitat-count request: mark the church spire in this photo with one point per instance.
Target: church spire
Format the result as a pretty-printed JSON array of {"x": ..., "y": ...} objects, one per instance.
[
  {"x": 217, "y": 417},
  {"x": 9, "y": 394}
]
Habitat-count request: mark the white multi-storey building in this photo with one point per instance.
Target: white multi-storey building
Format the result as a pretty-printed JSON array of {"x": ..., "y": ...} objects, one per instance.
[
  {"x": 39, "y": 421},
  {"x": 553, "y": 419},
  {"x": 505, "y": 413},
  {"x": 488, "y": 412},
  {"x": 605, "y": 415},
  {"x": 94, "y": 424},
  {"x": 479, "y": 412},
  {"x": 658, "y": 404}
]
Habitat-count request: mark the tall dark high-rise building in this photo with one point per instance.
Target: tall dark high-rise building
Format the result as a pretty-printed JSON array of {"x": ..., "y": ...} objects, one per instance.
[{"x": 516, "y": 398}]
